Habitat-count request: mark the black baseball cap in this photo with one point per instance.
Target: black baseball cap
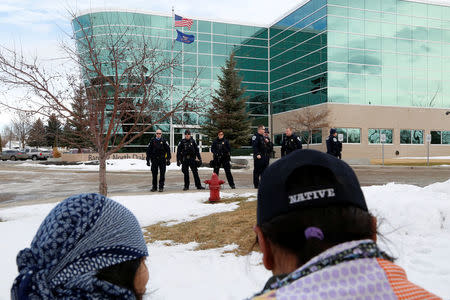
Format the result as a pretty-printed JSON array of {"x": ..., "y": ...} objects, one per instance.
[
  {"x": 266, "y": 130},
  {"x": 307, "y": 178},
  {"x": 187, "y": 131}
]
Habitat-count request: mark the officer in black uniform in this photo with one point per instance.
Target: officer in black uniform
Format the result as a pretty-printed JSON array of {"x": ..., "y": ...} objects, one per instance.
[
  {"x": 221, "y": 153},
  {"x": 187, "y": 151},
  {"x": 334, "y": 147},
  {"x": 260, "y": 155},
  {"x": 269, "y": 144},
  {"x": 158, "y": 153},
  {"x": 290, "y": 142}
]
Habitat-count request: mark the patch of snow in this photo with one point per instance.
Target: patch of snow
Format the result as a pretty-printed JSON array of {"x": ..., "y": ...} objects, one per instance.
[
  {"x": 112, "y": 165},
  {"x": 179, "y": 272}
]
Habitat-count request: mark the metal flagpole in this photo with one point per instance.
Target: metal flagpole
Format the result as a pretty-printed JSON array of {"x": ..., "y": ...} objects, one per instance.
[{"x": 172, "y": 133}]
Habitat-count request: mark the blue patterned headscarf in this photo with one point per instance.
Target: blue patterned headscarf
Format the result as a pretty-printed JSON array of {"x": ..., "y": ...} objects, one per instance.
[{"x": 81, "y": 235}]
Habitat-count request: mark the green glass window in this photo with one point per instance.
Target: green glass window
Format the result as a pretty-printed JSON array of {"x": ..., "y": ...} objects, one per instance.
[
  {"x": 219, "y": 28},
  {"x": 316, "y": 137},
  {"x": 374, "y": 135},
  {"x": 204, "y": 26},
  {"x": 440, "y": 137},
  {"x": 411, "y": 136},
  {"x": 350, "y": 135}
]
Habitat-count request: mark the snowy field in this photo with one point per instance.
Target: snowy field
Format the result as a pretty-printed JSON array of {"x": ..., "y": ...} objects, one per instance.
[
  {"x": 414, "y": 221},
  {"x": 112, "y": 165}
]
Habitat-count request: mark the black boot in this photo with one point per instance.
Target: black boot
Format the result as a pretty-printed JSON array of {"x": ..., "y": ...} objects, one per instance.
[
  {"x": 185, "y": 188},
  {"x": 161, "y": 189},
  {"x": 200, "y": 188},
  {"x": 154, "y": 189}
]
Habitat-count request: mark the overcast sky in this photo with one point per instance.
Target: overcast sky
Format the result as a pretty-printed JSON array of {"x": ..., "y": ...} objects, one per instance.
[{"x": 37, "y": 26}]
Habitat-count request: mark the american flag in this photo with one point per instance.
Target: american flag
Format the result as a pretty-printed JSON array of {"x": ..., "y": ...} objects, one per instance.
[{"x": 183, "y": 22}]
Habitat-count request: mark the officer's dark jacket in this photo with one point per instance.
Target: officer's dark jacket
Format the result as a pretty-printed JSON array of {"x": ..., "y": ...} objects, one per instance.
[
  {"x": 290, "y": 143},
  {"x": 269, "y": 146},
  {"x": 187, "y": 149},
  {"x": 221, "y": 149},
  {"x": 259, "y": 145},
  {"x": 333, "y": 145},
  {"x": 158, "y": 150}
]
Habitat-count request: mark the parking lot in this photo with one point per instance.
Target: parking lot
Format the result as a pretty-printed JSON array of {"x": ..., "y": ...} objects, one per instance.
[{"x": 21, "y": 183}]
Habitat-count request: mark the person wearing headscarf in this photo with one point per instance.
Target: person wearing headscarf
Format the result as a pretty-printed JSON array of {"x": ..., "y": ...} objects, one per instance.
[{"x": 88, "y": 247}]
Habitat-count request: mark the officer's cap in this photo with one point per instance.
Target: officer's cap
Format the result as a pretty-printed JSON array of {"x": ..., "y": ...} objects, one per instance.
[
  {"x": 187, "y": 131},
  {"x": 307, "y": 178},
  {"x": 332, "y": 130}
]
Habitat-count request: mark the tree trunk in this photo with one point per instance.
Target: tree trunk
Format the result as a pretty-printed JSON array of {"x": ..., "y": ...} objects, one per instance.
[{"x": 102, "y": 187}]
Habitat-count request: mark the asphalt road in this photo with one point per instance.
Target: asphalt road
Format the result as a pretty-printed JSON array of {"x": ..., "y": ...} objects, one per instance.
[{"x": 23, "y": 184}]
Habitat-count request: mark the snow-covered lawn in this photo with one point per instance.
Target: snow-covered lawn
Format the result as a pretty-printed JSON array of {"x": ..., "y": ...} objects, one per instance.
[
  {"x": 112, "y": 165},
  {"x": 415, "y": 223}
]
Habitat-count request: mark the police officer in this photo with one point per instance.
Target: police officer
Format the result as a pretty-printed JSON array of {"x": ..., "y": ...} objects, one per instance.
[
  {"x": 268, "y": 143},
  {"x": 290, "y": 142},
  {"x": 158, "y": 153},
  {"x": 260, "y": 154},
  {"x": 221, "y": 154},
  {"x": 334, "y": 147},
  {"x": 187, "y": 151}
]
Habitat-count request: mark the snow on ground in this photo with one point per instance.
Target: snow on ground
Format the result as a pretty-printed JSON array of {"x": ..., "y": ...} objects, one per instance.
[
  {"x": 179, "y": 272},
  {"x": 414, "y": 221},
  {"x": 112, "y": 165},
  {"x": 173, "y": 208}
]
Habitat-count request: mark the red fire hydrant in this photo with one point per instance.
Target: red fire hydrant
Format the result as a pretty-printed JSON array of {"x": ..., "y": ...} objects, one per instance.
[{"x": 214, "y": 187}]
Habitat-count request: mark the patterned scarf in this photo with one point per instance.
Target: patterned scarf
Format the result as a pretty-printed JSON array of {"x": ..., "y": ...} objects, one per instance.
[
  {"x": 81, "y": 235},
  {"x": 362, "y": 249}
]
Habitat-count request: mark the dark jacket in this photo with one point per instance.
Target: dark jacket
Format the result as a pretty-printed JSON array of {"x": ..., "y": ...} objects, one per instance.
[
  {"x": 187, "y": 149},
  {"x": 221, "y": 149},
  {"x": 290, "y": 143},
  {"x": 259, "y": 146},
  {"x": 333, "y": 146},
  {"x": 158, "y": 150}
]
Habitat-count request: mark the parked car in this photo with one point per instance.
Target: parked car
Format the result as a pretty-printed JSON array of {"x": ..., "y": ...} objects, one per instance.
[
  {"x": 14, "y": 155},
  {"x": 36, "y": 154}
]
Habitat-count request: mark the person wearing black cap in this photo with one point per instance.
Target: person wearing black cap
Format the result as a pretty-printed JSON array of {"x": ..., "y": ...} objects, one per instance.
[
  {"x": 158, "y": 153},
  {"x": 317, "y": 236},
  {"x": 334, "y": 147},
  {"x": 290, "y": 142},
  {"x": 187, "y": 152},
  {"x": 260, "y": 155},
  {"x": 221, "y": 157}
]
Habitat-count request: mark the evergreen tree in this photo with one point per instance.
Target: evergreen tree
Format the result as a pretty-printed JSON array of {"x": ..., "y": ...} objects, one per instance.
[
  {"x": 228, "y": 112},
  {"x": 53, "y": 131},
  {"x": 76, "y": 131},
  {"x": 36, "y": 137}
]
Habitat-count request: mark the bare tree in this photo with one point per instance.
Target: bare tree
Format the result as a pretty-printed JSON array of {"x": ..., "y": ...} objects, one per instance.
[
  {"x": 8, "y": 136},
  {"x": 309, "y": 119},
  {"x": 126, "y": 80},
  {"x": 21, "y": 125}
]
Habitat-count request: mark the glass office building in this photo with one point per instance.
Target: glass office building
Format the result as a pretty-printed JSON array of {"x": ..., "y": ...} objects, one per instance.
[
  {"x": 355, "y": 58},
  {"x": 377, "y": 52},
  {"x": 214, "y": 41}
]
